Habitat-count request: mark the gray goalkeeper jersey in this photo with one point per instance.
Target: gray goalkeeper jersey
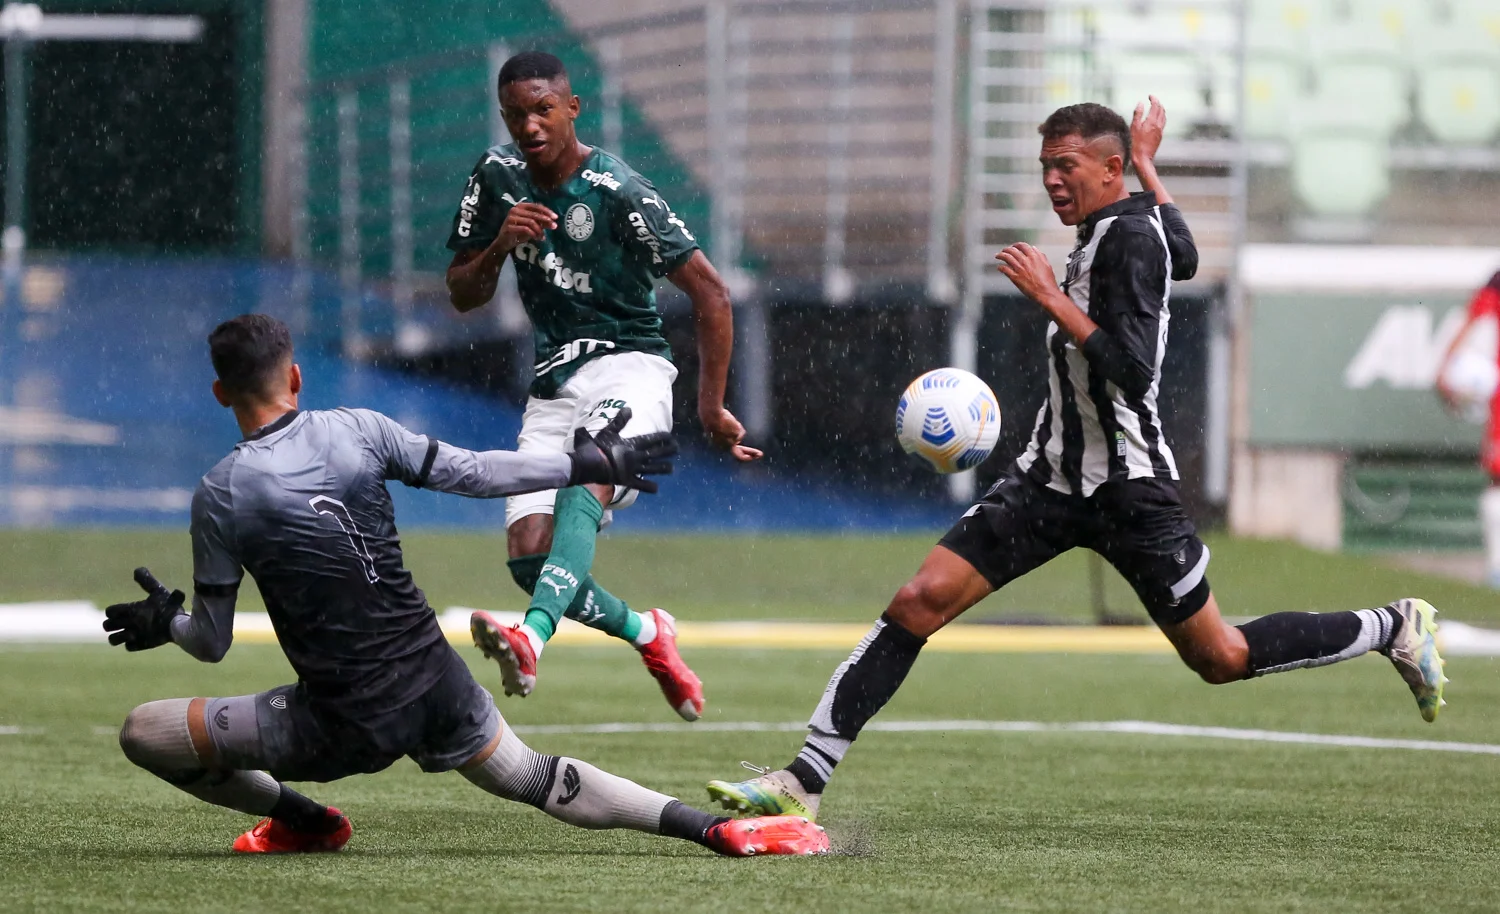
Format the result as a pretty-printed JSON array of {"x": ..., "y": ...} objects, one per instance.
[{"x": 302, "y": 506}]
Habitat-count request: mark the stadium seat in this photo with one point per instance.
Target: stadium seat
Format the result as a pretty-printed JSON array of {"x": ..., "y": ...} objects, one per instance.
[
  {"x": 1375, "y": 90},
  {"x": 1278, "y": 27},
  {"x": 1474, "y": 27},
  {"x": 1273, "y": 88},
  {"x": 1177, "y": 79},
  {"x": 1340, "y": 174},
  {"x": 1372, "y": 28},
  {"x": 1460, "y": 102}
]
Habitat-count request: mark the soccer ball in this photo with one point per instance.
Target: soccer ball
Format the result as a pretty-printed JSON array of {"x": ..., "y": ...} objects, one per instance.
[{"x": 949, "y": 418}]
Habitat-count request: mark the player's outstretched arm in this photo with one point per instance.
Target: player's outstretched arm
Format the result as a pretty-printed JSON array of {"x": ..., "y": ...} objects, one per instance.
[
  {"x": 714, "y": 316},
  {"x": 1145, "y": 139},
  {"x": 152, "y": 622}
]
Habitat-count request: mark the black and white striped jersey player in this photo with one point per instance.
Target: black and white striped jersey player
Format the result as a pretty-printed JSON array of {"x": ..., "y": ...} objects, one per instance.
[{"x": 1097, "y": 474}]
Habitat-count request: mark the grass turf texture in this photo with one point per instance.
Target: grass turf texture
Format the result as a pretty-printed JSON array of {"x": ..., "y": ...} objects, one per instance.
[
  {"x": 803, "y": 578},
  {"x": 937, "y": 821}
]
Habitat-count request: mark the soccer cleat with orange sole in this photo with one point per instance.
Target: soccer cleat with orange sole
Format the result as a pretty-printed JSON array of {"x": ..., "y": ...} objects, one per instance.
[
  {"x": 681, "y": 686},
  {"x": 509, "y": 647},
  {"x": 273, "y": 837},
  {"x": 768, "y": 835}
]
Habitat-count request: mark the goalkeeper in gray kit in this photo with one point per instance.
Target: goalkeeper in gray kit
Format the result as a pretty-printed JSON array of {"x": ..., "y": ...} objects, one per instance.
[{"x": 301, "y": 505}]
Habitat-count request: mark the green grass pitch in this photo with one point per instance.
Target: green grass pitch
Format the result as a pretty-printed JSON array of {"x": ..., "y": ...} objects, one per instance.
[{"x": 932, "y": 822}]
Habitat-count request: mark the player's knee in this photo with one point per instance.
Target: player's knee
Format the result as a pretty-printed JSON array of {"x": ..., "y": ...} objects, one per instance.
[
  {"x": 921, "y": 605},
  {"x": 531, "y": 535},
  {"x": 155, "y": 736}
]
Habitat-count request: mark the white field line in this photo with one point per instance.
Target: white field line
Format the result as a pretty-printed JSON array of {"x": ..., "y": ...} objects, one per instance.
[{"x": 1133, "y": 727}]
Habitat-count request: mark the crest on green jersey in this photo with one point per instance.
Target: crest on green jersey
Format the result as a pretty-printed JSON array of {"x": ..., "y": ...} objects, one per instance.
[{"x": 579, "y": 222}]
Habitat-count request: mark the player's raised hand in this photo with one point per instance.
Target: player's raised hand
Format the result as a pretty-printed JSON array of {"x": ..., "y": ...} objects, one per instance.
[
  {"x": 525, "y": 222},
  {"x": 146, "y": 623},
  {"x": 1030, "y": 270},
  {"x": 604, "y": 458},
  {"x": 726, "y": 432},
  {"x": 1146, "y": 129}
]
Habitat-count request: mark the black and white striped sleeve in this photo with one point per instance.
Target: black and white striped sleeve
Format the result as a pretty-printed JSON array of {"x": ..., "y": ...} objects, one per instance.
[{"x": 1126, "y": 298}]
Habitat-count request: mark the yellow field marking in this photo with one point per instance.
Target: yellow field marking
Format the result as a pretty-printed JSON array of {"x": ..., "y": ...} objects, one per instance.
[{"x": 977, "y": 639}]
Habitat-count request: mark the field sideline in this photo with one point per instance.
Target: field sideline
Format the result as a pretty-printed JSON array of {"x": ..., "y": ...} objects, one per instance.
[{"x": 1029, "y": 816}]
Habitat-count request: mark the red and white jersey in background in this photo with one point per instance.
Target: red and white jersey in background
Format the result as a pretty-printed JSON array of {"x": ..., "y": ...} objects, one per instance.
[{"x": 1486, "y": 304}]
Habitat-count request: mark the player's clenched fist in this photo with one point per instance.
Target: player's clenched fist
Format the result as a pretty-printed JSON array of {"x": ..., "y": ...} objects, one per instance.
[{"x": 525, "y": 222}]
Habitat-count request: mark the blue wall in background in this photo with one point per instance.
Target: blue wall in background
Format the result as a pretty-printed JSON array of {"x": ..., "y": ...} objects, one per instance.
[{"x": 114, "y": 350}]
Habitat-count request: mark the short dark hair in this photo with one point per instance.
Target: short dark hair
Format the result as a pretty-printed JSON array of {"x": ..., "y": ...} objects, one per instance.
[
  {"x": 1089, "y": 121},
  {"x": 530, "y": 65},
  {"x": 247, "y": 350}
]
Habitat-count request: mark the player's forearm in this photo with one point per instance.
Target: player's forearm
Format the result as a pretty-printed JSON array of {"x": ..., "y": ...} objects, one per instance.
[
  {"x": 1145, "y": 169},
  {"x": 496, "y": 474},
  {"x": 471, "y": 285},
  {"x": 1069, "y": 317},
  {"x": 715, "y": 320},
  {"x": 207, "y": 632}
]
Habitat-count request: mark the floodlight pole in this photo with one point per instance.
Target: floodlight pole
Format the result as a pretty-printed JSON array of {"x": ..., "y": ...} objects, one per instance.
[{"x": 17, "y": 23}]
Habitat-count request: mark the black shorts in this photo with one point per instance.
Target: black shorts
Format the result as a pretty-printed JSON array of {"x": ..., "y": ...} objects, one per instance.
[
  {"x": 1137, "y": 525},
  {"x": 285, "y": 732}
]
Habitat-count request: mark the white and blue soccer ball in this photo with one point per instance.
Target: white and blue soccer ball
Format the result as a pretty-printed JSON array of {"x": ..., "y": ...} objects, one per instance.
[{"x": 949, "y": 418}]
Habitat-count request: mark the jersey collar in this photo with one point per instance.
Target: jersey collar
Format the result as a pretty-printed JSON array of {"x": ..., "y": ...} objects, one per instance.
[
  {"x": 1138, "y": 202},
  {"x": 272, "y": 428}
]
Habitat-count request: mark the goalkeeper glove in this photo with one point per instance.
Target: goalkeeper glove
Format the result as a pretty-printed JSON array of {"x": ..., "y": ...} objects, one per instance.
[
  {"x": 607, "y": 459},
  {"x": 146, "y": 623}
]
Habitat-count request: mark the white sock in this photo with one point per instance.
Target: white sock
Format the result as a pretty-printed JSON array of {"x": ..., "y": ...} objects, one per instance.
[
  {"x": 647, "y": 634},
  {"x": 536, "y": 640},
  {"x": 156, "y": 738}
]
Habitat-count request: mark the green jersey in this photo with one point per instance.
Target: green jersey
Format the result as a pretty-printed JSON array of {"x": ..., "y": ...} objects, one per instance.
[{"x": 588, "y": 286}]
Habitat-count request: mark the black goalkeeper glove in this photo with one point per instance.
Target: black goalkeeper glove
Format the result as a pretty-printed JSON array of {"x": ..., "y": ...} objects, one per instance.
[
  {"x": 607, "y": 459},
  {"x": 147, "y": 623}
]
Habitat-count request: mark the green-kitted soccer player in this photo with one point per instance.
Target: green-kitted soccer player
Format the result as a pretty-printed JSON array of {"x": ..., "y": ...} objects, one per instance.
[{"x": 589, "y": 237}]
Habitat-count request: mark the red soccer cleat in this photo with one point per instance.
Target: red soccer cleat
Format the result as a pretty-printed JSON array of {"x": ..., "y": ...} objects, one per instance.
[
  {"x": 273, "y": 837},
  {"x": 683, "y": 688},
  {"x": 784, "y": 835},
  {"x": 509, "y": 647}
]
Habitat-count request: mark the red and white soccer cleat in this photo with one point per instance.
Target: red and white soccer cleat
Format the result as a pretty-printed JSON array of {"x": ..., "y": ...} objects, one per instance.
[
  {"x": 273, "y": 837},
  {"x": 784, "y": 835},
  {"x": 683, "y": 688},
  {"x": 509, "y": 647}
]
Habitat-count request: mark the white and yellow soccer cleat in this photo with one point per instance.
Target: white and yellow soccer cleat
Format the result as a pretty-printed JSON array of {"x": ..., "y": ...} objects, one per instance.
[
  {"x": 774, "y": 793},
  {"x": 1414, "y": 652}
]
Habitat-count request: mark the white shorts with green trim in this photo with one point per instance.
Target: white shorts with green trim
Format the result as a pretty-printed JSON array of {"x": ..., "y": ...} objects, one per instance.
[{"x": 589, "y": 400}]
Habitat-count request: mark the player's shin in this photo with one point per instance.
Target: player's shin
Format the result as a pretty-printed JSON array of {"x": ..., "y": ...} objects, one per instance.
[
  {"x": 1489, "y": 515},
  {"x": 580, "y": 794},
  {"x": 860, "y": 687},
  {"x": 575, "y": 526},
  {"x": 157, "y": 737},
  {"x": 1295, "y": 640}
]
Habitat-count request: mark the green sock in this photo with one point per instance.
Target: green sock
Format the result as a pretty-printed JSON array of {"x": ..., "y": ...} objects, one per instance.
[
  {"x": 575, "y": 526},
  {"x": 593, "y": 605}
]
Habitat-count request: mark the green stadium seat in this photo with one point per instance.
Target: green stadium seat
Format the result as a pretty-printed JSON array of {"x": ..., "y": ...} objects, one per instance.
[
  {"x": 1475, "y": 26},
  {"x": 1340, "y": 173},
  {"x": 1274, "y": 86},
  {"x": 1376, "y": 91},
  {"x": 1372, "y": 28},
  {"x": 1176, "y": 79},
  {"x": 1460, "y": 102},
  {"x": 1279, "y": 27}
]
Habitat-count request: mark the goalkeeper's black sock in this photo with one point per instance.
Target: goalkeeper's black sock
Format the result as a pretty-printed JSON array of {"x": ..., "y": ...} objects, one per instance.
[
  {"x": 302, "y": 814},
  {"x": 1292, "y": 641},
  {"x": 860, "y": 687},
  {"x": 679, "y": 820}
]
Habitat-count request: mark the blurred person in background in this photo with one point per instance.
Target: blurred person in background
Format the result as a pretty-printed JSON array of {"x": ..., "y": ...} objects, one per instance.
[
  {"x": 589, "y": 237},
  {"x": 1466, "y": 381}
]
